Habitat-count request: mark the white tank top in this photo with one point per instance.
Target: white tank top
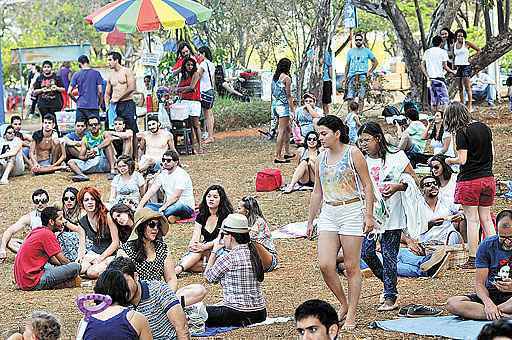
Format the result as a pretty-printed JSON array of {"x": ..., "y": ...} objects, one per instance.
[
  {"x": 35, "y": 219},
  {"x": 461, "y": 55}
]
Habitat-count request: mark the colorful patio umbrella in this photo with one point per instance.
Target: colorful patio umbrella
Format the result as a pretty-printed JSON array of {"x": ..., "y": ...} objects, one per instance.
[{"x": 129, "y": 16}]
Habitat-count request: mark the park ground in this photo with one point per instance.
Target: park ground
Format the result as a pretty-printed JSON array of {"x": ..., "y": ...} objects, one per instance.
[{"x": 233, "y": 162}]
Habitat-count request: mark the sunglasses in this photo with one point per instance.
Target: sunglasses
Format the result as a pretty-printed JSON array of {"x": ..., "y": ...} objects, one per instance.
[
  {"x": 69, "y": 198},
  {"x": 10, "y": 132},
  {"x": 40, "y": 200},
  {"x": 359, "y": 39},
  {"x": 435, "y": 167},
  {"x": 312, "y": 139},
  {"x": 153, "y": 224},
  {"x": 505, "y": 238},
  {"x": 429, "y": 184},
  {"x": 94, "y": 124},
  {"x": 167, "y": 160}
]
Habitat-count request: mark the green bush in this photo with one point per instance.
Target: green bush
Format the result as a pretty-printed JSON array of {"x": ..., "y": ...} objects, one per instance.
[{"x": 235, "y": 115}]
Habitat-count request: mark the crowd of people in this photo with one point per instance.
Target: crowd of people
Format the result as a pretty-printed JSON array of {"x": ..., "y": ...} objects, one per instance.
[{"x": 368, "y": 207}]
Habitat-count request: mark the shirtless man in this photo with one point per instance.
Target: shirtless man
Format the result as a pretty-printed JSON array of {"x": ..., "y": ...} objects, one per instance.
[
  {"x": 46, "y": 152},
  {"x": 153, "y": 144},
  {"x": 122, "y": 138},
  {"x": 119, "y": 91},
  {"x": 32, "y": 220}
]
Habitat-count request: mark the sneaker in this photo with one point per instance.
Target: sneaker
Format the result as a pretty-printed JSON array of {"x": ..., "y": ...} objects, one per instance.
[
  {"x": 402, "y": 312},
  {"x": 439, "y": 269},
  {"x": 80, "y": 178},
  {"x": 436, "y": 258},
  {"x": 381, "y": 298},
  {"x": 419, "y": 311},
  {"x": 388, "y": 305}
]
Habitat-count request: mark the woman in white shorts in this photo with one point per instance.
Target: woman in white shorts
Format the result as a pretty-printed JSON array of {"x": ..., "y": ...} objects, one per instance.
[
  {"x": 345, "y": 217},
  {"x": 189, "y": 90}
]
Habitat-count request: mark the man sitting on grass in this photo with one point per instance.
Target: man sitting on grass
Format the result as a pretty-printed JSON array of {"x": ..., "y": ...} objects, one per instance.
[
  {"x": 316, "y": 319},
  {"x": 153, "y": 144},
  {"x": 47, "y": 154},
  {"x": 40, "y": 263},
  {"x": 73, "y": 140},
  {"x": 493, "y": 282},
  {"x": 122, "y": 138},
  {"x": 177, "y": 187},
  {"x": 96, "y": 153}
]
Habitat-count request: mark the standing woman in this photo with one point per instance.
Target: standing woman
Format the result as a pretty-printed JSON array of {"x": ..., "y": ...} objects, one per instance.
[
  {"x": 100, "y": 230},
  {"x": 282, "y": 106},
  {"x": 189, "y": 91},
  {"x": 476, "y": 187},
  {"x": 461, "y": 62},
  {"x": 448, "y": 40},
  {"x": 213, "y": 209},
  {"x": 386, "y": 169},
  {"x": 344, "y": 218},
  {"x": 207, "y": 85}
]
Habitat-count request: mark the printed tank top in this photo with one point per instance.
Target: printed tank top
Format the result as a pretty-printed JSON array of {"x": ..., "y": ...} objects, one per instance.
[{"x": 338, "y": 180}]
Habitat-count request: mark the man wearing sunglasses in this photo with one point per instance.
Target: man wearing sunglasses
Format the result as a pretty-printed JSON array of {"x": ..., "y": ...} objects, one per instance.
[
  {"x": 153, "y": 144},
  {"x": 357, "y": 74},
  {"x": 31, "y": 220},
  {"x": 177, "y": 187},
  {"x": 96, "y": 153}
]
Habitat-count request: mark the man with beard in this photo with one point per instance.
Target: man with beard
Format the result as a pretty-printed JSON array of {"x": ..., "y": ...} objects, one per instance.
[
  {"x": 357, "y": 74},
  {"x": 492, "y": 299},
  {"x": 48, "y": 88},
  {"x": 47, "y": 153},
  {"x": 153, "y": 144},
  {"x": 40, "y": 263}
]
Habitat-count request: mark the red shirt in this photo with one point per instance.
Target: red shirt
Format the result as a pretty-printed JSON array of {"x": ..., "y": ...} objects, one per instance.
[
  {"x": 39, "y": 245},
  {"x": 194, "y": 95}
]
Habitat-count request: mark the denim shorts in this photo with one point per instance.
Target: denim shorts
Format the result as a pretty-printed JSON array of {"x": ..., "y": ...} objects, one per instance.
[
  {"x": 356, "y": 89},
  {"x": 463, "y": 71},
  {"x": 94, "y": 165},
  {"x": 280, "y": 111}
]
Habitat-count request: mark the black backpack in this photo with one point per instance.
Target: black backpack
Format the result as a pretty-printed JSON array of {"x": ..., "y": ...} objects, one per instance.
[{"x": 390, "y": 111}]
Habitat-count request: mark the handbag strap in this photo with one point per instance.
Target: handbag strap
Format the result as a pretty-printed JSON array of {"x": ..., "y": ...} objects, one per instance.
[
  {"x": 448, "y": 239},
  {"x": 356, "y": 175},
  {"x": 209, "y": 74}
]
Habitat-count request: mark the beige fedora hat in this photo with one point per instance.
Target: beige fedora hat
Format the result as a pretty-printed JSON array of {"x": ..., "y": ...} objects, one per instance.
[{"x": 145, "y": 214}]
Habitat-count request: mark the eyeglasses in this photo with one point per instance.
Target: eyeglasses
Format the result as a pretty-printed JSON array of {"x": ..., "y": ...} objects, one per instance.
[
  {"x": 429, "y": 184},
  {"x": 40, "y": 200},
  {"x": 312, "y": 139},
  {"x": 153, "y": 224},
  {"x": 9, "y": 132},
  {"x": 167, "y": 160},
  {"x": 69, "y": 198}
]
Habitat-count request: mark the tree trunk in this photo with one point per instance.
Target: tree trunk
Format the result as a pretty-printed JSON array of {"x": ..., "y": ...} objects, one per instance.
[
  {"x": 321, "y": 44},
  {"x": 487, "y": 24},
  {"x": 494, "y": 49},
  {"x": 443, "y": 16},
  {"x": 501, "y": 16},
  {"x": 507, "y": 14},
  {"x": 478, "y": 11},
  {"x": 420, "y": 25}
]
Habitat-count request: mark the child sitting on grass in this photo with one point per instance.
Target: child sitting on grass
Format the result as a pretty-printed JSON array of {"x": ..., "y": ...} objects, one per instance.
[{"x": 41, "y": 326}]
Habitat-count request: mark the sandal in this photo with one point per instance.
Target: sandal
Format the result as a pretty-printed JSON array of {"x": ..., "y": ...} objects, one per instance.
[
  {"x": 281, "y": 161},
  {"x": 347, "y": 327},
  {"x": 289, "y": 156}
]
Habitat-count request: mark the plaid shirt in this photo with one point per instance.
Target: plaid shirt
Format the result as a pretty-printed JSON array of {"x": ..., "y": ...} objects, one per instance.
[{"x": 241, "y": 289}]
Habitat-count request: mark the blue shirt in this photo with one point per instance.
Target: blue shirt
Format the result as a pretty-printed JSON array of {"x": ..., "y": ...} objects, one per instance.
[
  {"x": 87, "y": 81},
  {"x": 74, "y": 137},
  {"x": 350, "y": 122},
  {"x": 358, "y": 60},
  {"x": 490, "y": 255},
  {"x": 326, "y": 65}
]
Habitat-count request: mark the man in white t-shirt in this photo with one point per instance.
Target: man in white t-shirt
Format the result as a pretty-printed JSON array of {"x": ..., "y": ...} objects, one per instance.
[
  {"x": 177, "y": 187},
  {"x": 434, "y": 67},
  {"x": 483, "y": 87}
]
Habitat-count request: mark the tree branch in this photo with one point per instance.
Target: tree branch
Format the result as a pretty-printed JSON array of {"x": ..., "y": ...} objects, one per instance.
[{"x": 370, "y": 7}]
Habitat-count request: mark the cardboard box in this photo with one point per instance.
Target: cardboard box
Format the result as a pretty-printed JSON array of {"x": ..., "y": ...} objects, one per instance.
[
  {"x": 398, "y": 67},
  {"x": 392, "y": 82}
]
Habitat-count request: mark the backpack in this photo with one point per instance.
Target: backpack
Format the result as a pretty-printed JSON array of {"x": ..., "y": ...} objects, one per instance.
[{"x": 390, "y": 111}]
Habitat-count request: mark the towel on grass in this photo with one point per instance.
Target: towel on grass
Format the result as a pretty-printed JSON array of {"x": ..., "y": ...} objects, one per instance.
[
  {"x": 452, "y": 327},
  {"x": 292, "y": 230},
  {"x": 212, "y": 331}
]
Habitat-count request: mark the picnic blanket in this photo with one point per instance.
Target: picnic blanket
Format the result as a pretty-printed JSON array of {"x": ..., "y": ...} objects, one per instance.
[
  {"x": 212, "y": 331},
  {"x": 452, "y": 327},
  {"x": 291, "y": 230}
]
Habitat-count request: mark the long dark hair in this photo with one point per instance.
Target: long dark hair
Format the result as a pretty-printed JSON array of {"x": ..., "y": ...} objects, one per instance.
[
  {"x": 451, "y": 35},
  {"x": 283, "y": 66},
  {"x": 447, "y": 170},
  {"x": 305, "y": 144},
  {"x": 225, "y": 207},
  {"x": 124, "y": 230},
  {"x": 71, "y": 215},
  {"x": 253, "y": 210},
  {"x": 138, "y": 244},
  {"x": 437, "y": 135},
  {"x": 334, "y": 124},
  {"x": 256, "y": 264},
  {"x": 113, "y": 283},
  {"x": 181, "y": 46},
  {"x": 186, "y": 74},
  {"x": 374, "y": 130}
]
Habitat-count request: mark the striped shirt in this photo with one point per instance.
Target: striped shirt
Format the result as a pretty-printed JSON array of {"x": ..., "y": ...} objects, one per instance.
[
  {"x": 156, "y": 300},
  {"x": 241, "y": 289}
]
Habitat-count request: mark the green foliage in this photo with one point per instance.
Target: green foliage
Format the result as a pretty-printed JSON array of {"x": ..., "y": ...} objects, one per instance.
[{"x": 231, "y": 114}]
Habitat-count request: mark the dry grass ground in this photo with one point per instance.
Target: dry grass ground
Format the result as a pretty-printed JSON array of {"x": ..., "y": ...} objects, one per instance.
[{"x": 233, "y": 163}]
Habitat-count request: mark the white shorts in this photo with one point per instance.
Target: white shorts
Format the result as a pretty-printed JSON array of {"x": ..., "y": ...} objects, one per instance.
[
  {"x": 343, "y": 219},
  {"x": 194, "y": 107}
]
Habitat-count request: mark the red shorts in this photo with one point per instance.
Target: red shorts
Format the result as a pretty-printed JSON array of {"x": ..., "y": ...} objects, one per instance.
[{"x": 476, "y": 192}]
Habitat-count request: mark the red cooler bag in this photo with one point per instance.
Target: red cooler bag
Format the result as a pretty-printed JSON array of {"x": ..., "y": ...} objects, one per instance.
[{"x": 268, "y": 180}]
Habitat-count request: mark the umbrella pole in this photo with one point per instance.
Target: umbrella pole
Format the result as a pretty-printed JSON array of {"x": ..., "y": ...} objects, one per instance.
[{"x": 149, "y": 41}]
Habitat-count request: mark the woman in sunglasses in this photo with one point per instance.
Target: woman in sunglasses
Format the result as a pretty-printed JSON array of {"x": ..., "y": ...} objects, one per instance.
[
  {"x": 444, "y": 173},
  {"x": 11, "y": 156},
  {"x": 72, "y": 239},
  {"x": 101, "y": 231},
  {"x": 129, "y": 185},
  {"x": 304, "y": 174},
  {"x": 260, "y": 232},
  {"x": 308, "y": 114},
  {"x": 213, "y": 209},
  {"x": 240, "y": 273},
  {"x": 147, "y": 249}
]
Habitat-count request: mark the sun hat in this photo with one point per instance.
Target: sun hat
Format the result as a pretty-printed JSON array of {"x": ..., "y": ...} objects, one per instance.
[
  {"x": 236, "y": 224},
  {"x": 145, "y": 214}
]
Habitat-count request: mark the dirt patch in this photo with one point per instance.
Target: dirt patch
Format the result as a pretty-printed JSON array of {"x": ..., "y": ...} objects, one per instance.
[{"x": 233, "y": 162}]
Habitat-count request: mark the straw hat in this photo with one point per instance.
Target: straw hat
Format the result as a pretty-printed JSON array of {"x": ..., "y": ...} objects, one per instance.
[
  {"x": 236, "y": 224},
  {"x": 145, "y": 214}
]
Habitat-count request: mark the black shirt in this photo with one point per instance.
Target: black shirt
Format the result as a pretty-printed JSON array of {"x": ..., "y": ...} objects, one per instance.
[
  {"x": 476, "y": 138},
  {"x": 49, "y": 99}
]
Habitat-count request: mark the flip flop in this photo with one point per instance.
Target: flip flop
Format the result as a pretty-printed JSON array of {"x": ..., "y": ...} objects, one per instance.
[{"x": 280, "y": 161}]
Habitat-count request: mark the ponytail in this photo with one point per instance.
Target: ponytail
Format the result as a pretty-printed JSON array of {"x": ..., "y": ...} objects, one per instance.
[{"x": 257, "y": 266}]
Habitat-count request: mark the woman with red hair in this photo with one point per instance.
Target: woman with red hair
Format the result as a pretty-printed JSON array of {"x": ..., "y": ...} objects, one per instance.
[{"x": 101, "y": 233}]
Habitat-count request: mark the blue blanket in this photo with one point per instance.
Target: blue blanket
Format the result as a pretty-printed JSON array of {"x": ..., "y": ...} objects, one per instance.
[
  {"x": 448, "y": 326},
  {"x": 211, "y": 331}
]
